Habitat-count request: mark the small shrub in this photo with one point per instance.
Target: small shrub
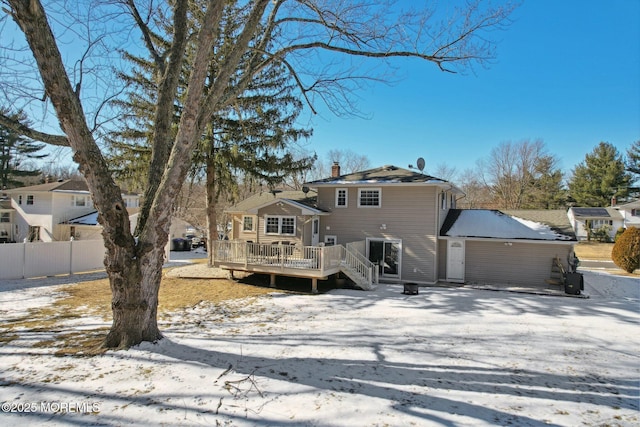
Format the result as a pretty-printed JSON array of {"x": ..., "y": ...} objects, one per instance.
[
  {"x": 626, "y": 251},
  {"x": 618, "y": 233},
  {"x": 602, "y": 234}
]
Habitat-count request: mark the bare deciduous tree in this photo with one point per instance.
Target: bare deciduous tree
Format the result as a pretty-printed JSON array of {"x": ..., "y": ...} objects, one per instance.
[
  {"x": 325, "y": 45},
  {"x": 512, "y": 169}
]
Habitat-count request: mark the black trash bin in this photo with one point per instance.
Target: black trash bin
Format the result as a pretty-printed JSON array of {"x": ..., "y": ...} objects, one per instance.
[
  {"x": 411, "y": 289},
  {"x": 573, "y": 283}
]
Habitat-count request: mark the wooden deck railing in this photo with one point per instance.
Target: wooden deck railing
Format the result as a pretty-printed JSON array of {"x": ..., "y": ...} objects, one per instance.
[{"x": 282, "y": 256}]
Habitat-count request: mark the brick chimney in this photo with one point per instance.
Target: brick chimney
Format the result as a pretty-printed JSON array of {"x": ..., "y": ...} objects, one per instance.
[
  {"x": 614, "y": 202},
  {"x": 335, "y": 170}
]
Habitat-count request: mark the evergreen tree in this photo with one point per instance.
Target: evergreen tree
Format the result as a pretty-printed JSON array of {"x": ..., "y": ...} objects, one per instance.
[
  {"x": 633, "y": 159},
  {"x": 546, "y": 190},
  {"x": 14, "y": 151},
  {"x": 600, "y": 177}
]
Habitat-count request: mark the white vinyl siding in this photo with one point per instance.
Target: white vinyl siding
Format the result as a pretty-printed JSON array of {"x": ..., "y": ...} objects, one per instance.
[{"x": 369, "y": 197}]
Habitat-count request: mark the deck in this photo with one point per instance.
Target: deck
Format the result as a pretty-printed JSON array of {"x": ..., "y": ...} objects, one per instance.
[
  {"x": 314, "y": 262},
  {"x": 279, "y": 259}
]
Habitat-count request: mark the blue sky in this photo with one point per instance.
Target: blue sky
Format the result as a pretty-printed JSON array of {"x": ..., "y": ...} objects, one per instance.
[{"x": 567, "y": 72}]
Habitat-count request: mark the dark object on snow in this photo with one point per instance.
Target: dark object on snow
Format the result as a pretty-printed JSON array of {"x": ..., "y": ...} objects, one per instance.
[
  {"x": 410, "y": 289},
  {"x": 573, "y": 283},
  {"x": 180, "y": 244}
]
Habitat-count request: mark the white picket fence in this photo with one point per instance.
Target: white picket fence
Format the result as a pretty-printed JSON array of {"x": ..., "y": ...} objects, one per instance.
[{"x": 26, "y": 260}]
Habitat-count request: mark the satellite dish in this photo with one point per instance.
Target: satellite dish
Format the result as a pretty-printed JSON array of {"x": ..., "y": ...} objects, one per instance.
[{"x": 420, "y": 164}]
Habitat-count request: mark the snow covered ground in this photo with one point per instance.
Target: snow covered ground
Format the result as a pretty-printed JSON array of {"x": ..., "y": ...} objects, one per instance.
[{"x": 445, "y": 357}]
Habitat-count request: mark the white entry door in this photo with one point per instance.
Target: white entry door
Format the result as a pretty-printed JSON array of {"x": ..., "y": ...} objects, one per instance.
[
  {"x": 455, "y": 261},
  {"x": 315, "y": 231}
]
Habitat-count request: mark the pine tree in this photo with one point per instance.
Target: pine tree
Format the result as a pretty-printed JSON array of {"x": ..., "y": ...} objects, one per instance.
[
  {"x": 546, "y": 190},
  {"x": 600, "y": 177},
  {"x": 633, "y": 159},
  {"x": 14, "y": 151},
  {"x": 247, "y": 142}
]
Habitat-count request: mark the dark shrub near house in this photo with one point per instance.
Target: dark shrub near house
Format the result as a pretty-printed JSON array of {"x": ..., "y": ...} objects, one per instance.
[{"x": 626, "y": 250}]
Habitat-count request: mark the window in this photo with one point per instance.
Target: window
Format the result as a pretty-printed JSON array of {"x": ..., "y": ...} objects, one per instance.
[
  {"x": 5, "y": 217},
  {"x": 443, "y": 200},
  {"x": 341, "y": 197},
  {"x": 131, "y": 202},
  {"x": 34, "y": 233},
  {"x": 247, "y": 223},
  {"x": 79, "y": 201},
  {"x": 288, "y": 226},
  {"x": 452, "y": 201},
  {"x": 597, "y": 223},
  {"x": 330, "y": 240},
  {"x": 30, "y": 199},
  {"x": 635, "y": 212},
  {"x": 285, "y": 225},
  {"x": 19, "y": 199},
  {"x": 272, "y": 225},
  {"x": 369, "y": 197}
]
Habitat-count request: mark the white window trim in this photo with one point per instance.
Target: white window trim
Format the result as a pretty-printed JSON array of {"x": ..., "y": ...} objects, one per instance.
[
  {"x": 346, "y": 197},
  {"x": 280, "y": 218},
  {"x": 253, "y": 223},
  {"x": 328, "y": 238},
  {"x": 33, "y": 200},
  {"x": 76, "y": 198},
  {"x": 378, "y": 189}
]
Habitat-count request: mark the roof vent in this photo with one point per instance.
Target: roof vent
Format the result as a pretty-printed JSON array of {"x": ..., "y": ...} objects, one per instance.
[{"x": 389, "y": 167}]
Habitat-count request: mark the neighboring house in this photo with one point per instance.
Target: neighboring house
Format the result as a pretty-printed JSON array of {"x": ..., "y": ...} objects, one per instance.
[
  {"x": 630, "y": 213},
  {"x": 57, "y": 211},
  {"x": 7, "y": 227},
  {"x": 402, "y": 224},
  {"x": 586, "y": 220}
]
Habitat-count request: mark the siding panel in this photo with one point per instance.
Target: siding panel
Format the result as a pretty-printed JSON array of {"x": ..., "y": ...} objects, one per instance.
[
  {"x": 524, "y": 263},
  {"x": 409, "y": 213}
]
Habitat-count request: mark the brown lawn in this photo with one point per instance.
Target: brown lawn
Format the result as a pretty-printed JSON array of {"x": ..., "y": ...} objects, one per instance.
[{"x": 594, "y": 251}]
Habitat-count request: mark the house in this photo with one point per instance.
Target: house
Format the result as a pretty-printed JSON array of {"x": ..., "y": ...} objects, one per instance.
[
  {"x": 587, "y": 220},
  {"x": 7, "y": 229},
  {"x": 389, "y": 224},
  {"x": 57, "y": 211},
  {"x": 630, "y": 213}
]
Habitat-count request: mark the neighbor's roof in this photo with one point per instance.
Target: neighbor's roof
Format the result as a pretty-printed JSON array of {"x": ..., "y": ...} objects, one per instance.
[
  {"x": 92, "y": 218},
  {"x": 382, "y": 175},
  {"x": 67, "y": 185},
  {"x": 265, "y": 198},
  {"x": 493, "y": 224},
  {"x": 557, "y": 219},
  {"x": 630, "y": 205},
  {"x": 598, "y": 213},
  {"x": 88, "y": 219}
]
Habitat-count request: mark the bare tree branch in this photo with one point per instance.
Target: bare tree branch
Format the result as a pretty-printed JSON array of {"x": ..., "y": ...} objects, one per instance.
[{"x": 58, "y": 140}]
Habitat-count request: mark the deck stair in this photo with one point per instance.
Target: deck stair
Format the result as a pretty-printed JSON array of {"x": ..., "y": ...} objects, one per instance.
[{"x": 359, "y": 269}]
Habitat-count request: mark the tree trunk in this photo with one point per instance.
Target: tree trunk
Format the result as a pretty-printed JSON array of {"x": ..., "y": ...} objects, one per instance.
[
  {"x": 212, "y": 219},
  {"x": 135, "y": 282}
]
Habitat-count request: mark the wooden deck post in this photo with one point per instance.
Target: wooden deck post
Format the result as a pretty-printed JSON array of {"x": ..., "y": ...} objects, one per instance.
[
  {"x": 314, "y": 285},
  {"x": 272, "y": 281}
]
